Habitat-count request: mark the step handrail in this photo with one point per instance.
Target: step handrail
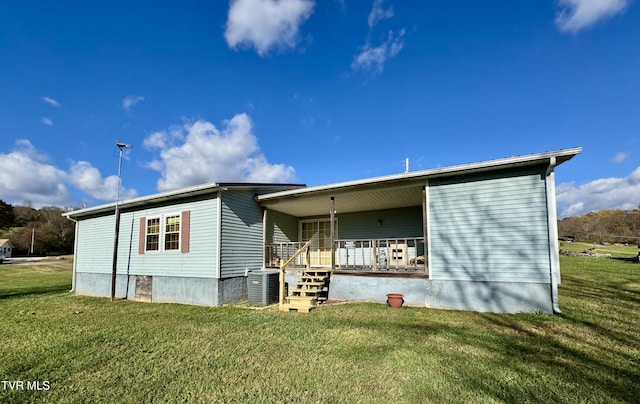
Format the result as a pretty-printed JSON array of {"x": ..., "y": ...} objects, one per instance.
[{"x": 283, "y": 265}]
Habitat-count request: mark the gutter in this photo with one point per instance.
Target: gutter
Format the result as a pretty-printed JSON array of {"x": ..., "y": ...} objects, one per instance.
[
  {"x": 558, "y": 157},
  {"x": 75, "y": 250},
  {"x": 552, "y": 219}
]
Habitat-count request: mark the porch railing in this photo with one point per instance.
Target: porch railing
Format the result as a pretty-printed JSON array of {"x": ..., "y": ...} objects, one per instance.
[
  {"x": 284, "y": 264},
  {"x": 277, "y": 252},
  {"x": 388, "y": 254}
]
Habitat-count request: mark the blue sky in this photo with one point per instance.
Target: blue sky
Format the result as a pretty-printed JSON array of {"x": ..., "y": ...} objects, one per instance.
[{"x": 314, "y": 92}]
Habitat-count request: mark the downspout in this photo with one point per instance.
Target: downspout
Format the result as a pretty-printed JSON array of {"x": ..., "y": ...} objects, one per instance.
[
  {"x": 552, "y": 219},
  {"x": 219, "y": 237},
  {"x": 425, "y": 228},
  {"x": 219, "y": 296},
  {"x": 426, "y": 218},
  {"x": 75, "y": 253}
]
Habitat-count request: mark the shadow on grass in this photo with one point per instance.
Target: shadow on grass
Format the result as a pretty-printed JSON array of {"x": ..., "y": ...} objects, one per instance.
[
  {"x": 568, "y": 358},
  {"x": 526, "y": 347},
  {"x": 35, "y": 290},
  {"x": 634, "y": 260}
]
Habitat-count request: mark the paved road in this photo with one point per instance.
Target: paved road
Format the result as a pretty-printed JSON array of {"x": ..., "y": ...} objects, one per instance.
[{"x": 24, "y": 260}]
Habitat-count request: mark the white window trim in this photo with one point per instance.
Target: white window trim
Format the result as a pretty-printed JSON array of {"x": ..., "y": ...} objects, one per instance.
[
  {"x": 163, "y": 232},
  {"x": 317, "y": 219},
  {"x": 146, "y": 234}
]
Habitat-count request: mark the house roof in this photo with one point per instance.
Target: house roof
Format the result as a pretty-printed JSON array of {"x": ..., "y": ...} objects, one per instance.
[
  {"x": 391, "y": 191},
  {"x": 202, "y": 189},
  {"x": 386, "y": 192},
  {"x": 5, "y": 241}
]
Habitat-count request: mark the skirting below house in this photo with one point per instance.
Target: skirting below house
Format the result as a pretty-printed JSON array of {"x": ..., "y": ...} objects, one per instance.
[
  {"x": 497, "y": 297},
  {"x": 164, "y": 289}
]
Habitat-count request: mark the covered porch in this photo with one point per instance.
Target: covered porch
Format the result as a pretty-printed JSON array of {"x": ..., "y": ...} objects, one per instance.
[
  {"x": 359, "y": 227},
  {"x": 356, "y": 241}
]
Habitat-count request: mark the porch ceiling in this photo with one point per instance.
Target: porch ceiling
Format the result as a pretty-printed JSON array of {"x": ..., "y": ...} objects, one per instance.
[{"x": 352, "y": 200}]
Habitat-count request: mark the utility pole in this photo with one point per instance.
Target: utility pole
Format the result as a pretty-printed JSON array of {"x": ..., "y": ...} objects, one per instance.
[
  {"x": 120, "y": 146},
  {"x": 33, "y": 238}
]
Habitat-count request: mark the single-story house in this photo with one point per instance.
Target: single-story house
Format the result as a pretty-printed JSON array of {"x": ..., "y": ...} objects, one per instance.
[
  {"x": 480, "y": 236},
  {"x": 5, "y": 247}
]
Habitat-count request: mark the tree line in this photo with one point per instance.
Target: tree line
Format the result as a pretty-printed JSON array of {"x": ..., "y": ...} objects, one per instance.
[
  {"x": 611, "y": 226},
  {"x": 52, "y": 234}
]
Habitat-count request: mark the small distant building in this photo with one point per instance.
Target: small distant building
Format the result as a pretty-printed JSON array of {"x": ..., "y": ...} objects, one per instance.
[{"x": 5, "y": 247}]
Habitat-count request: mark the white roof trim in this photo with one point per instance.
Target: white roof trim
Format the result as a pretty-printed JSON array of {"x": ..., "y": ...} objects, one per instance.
[
  {"x": 175, "y": 194},
  {"x": 560, "y": 155},
  {"x": 299, "y": 190}
]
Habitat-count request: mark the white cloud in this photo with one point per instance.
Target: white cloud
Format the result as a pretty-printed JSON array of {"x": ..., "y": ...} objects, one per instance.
[
  {"x": 50, "y": 101},
  {"x": 88, "y": 179},
  {"x": 130, "y": 101},
  {"x": 46, "y": 121},
  {"x": 266, "y": 24},
  {"x": 373, "y": 58},
  {"x": 156, "y": 140},
  {"x": 575, "y": 15},
  {"x": 378, "y": 13},
  {"x": 604, "y": 193},
  {"x": 620, "y": 157},
  {"x": 202, "y": 153},
  {"x": 25, "y": 175}
]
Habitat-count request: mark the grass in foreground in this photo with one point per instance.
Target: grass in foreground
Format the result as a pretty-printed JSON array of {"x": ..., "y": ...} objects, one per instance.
[{"x": 92, "y": 350}]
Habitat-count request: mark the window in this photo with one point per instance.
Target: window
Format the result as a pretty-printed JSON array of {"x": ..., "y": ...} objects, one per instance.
[
  {"x": 172, "y": 232},
  {"x": 153, "y": 234},
  {"x": 320, "y": 231},
  {"x": 165, "y": 233}
]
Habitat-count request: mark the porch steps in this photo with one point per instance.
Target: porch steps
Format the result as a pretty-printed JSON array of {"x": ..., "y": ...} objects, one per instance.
[
  {"x": 311, "y": 290},
  {"x": 303, "y": 304}
]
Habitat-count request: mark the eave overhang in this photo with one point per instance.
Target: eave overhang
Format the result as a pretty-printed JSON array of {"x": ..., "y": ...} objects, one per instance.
[
  {"x": 391, "y": 191},
  {"x": 203, "y": 189}
]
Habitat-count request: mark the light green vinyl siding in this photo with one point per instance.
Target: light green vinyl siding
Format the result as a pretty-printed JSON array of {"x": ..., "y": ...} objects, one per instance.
[
  {"x": 281, "y": 227},
  {"x": 200, "y": 261},
  {"x": 95, "y": 245},
  {"x": 492, "y": 228},
  {"x": 241, "y": 234},
  {"x": 395, "y": 223}
]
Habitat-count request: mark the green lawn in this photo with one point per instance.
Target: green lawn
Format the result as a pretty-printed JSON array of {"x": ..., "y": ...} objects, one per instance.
[
  {"x": 619, "y": 250},
  {"x": 92, "y": 350}
]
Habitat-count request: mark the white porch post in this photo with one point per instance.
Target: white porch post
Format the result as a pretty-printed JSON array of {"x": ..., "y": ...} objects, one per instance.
[
  {"x": 264, "y": 237},
  {"x": 425, "y": 224},
  {"x": 332, "y": 226}
]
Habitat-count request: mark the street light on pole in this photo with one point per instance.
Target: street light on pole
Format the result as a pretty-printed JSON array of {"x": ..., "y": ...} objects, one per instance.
[{"x": 120, "y": 146}]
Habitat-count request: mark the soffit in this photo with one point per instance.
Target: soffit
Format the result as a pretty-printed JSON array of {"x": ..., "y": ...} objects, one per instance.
[{"x": 346, "y": 201}]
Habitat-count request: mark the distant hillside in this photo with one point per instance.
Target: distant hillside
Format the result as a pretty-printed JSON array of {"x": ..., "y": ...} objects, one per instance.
[
  {"x": 44, "y": 230},
  {"x": 612, "y": 226}
]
